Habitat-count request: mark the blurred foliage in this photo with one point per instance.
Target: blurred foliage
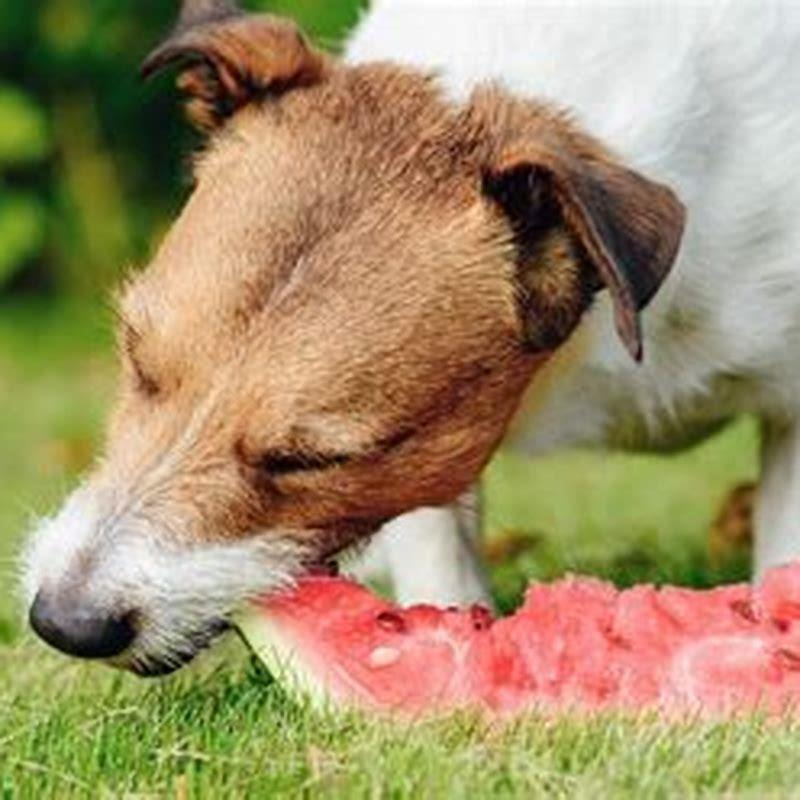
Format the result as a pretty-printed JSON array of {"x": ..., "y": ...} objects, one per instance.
[{"x": 92, "y": 162}]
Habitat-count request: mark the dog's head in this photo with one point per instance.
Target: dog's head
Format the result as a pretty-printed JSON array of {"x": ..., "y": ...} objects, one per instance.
[{"x": 337, "y": 329}]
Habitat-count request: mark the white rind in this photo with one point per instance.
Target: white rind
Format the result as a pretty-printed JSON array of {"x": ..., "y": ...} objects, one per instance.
[{"x": 284, "y": 659}]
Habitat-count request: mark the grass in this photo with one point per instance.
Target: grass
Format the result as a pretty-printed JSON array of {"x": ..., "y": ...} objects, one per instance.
[{"x": 222, "y": 729}]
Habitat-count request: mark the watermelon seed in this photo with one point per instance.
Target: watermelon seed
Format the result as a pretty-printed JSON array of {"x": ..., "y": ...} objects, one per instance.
[
  {"x": 781, "y": 625},
  {"x": 789, "y": 659},
  {"x": 391, "y": 622},
  {"x": 616, "y": 639},
  {"x": 744, "y": 608},
  {"x": 481, "y": 617},
  {"x": 383, "y": 657}
]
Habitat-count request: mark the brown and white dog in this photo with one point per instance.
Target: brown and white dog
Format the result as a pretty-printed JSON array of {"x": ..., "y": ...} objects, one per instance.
[{"x": 375, "y": 272}]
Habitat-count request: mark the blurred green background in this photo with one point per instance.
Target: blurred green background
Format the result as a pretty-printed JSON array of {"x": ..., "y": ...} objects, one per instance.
[
  {"x": 93, "y": 164},
  {"x": 92, "y": 161}
]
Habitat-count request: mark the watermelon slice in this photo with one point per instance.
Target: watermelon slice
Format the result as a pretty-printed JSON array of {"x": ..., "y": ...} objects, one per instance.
[{"x": 574, "y": 644}]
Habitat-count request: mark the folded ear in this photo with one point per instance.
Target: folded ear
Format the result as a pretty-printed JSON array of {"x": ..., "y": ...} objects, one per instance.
[
  {"x": 624, "y": 227},
  {"x": 229, "y": 58}
]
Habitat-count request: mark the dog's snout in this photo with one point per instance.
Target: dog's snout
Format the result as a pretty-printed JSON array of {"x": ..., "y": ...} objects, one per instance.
[{"x": 80, "y": 630}]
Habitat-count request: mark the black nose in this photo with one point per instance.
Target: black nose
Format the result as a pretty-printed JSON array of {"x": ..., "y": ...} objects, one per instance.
[{"x": 80, "y": 630}]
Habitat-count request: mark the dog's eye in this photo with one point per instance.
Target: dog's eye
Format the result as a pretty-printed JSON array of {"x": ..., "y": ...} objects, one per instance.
[
  {"x": 145, "y": 383},
  {"x": 279, "y": 462}
]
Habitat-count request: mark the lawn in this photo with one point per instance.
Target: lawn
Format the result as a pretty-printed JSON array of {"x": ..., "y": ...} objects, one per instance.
[{"x": 223, "y": 729}]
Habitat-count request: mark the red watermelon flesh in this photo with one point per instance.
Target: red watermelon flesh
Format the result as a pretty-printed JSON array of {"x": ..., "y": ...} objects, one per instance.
[{"x": 577, "y": 643}]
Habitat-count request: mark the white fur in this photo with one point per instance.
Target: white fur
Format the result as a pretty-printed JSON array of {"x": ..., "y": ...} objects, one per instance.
[
  {"x": 702, "y": 96},
  {"x": 430, "y": 556},
  {"x": 778, "y": 512},
  {"x": 118, "y": 561}
]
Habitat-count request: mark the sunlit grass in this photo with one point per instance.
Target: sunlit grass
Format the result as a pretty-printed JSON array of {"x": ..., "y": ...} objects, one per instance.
[{"x": 224, "y": 730}]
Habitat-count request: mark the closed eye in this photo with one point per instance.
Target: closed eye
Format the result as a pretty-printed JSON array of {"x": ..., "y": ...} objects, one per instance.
[
  {"x": 280, "y": 462},
  {"x": 145, "y": 382},
  {"x": 284, "y": 461}
]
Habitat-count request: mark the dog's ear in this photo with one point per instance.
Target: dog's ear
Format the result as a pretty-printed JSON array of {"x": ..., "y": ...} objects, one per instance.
[
  {"x": 620, "y": 230},
  {"x": 229, "y": 59}
]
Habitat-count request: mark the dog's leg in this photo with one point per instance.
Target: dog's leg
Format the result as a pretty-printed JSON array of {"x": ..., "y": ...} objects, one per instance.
[
  {"x": 777, "y": 512},
  {"x": 430, "y": 555}
]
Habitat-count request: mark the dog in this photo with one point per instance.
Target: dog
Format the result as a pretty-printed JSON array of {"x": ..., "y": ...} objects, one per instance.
[{"x": 465, "y": 231}]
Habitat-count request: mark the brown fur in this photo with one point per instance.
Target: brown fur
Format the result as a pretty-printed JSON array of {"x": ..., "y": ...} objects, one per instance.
[
  {"x": 627, "y": 227},
  {"x": 342, "y": 322},
  {"x": 235, "y": 59}
]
